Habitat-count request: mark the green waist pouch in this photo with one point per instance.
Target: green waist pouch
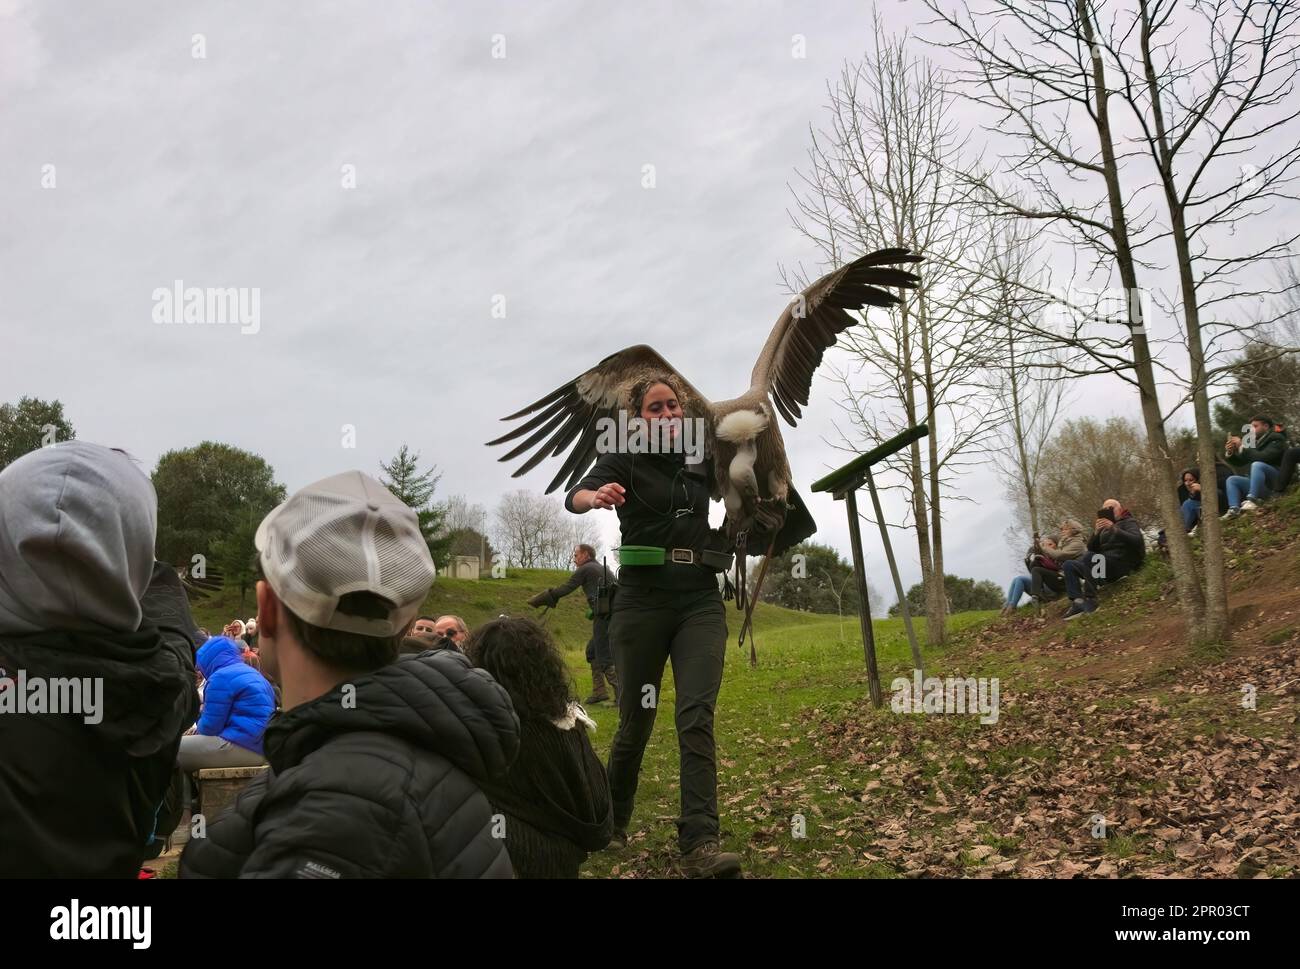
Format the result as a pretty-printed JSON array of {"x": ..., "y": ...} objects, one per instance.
[{"x": 640, "y": 555}]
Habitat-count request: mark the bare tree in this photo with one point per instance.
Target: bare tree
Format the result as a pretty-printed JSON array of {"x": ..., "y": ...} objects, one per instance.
[
  {"x": 535, "y": 532},
  {"x": 878, "y": 177},
  {"x": 1042, "y": 65},
  {"x": 460, "y": 514},
  {"x": 1032, "y": 385}
]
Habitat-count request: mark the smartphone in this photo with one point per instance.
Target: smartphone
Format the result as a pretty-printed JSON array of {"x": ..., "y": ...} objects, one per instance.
[{"x": 1106, "y": 513}]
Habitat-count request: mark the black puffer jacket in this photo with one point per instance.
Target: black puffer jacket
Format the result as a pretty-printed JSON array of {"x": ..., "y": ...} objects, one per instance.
[
  {"x": 1122, "y": 544},
  {"x": 387, "y": 787}
]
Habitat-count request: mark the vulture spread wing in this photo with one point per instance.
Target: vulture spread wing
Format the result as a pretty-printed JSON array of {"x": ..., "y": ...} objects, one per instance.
[
  {"x": 817, "y": 316},
  {"x": 569, "y": 417}
]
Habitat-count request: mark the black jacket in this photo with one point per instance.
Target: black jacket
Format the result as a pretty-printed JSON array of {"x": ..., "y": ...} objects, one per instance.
[
  {"x": 384, "y": 786},
  {"x": 589, "y": 575},
  {"x": 667, "y": 506},
  {"x": 1269, "y": 448},
  {"x": 555, "y": 800},
  {"x": 78, "y": 799},
  {"x": 1122, "y": 544}
]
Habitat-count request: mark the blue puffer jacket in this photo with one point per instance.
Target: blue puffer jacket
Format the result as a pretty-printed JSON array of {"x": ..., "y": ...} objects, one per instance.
[{"x": 237, "y": 699}]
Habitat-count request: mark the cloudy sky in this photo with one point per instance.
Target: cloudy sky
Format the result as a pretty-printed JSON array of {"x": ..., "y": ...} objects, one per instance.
[{"x": 127, "y": 163}]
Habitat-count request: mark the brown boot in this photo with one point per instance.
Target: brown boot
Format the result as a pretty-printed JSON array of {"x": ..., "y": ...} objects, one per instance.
[
  {"x": 598, "y": 691},
  {"x": 705, "y": 860},
  {"x": 612, "y": 675}
]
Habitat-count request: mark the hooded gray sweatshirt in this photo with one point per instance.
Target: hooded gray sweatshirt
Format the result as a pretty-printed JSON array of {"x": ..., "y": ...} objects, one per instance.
[{"x": 77, "y": 528}]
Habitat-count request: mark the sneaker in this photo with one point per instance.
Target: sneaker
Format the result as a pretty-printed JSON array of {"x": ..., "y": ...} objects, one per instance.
[
  {"x": 706, "y": 860},
  {"x": 1192, "y": 533},
  {"x": 1249, "y": 505},
  {"x": 1077, "y": 608},
  {"x": 1230, "y": 514},
  {"x": 1007, "y": 610},
  {"x": 1089, "y": 605}
]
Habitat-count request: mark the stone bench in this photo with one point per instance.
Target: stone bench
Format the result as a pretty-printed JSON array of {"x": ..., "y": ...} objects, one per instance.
[{"x": 218, "y": 788}]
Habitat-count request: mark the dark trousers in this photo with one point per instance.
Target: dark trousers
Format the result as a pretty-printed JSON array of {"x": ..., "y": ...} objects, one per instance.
[
  {"x": 599, "y": 652},
  {"x": 649, "y": 628},
  {"x": 1080, "y": 583},
  {"x": 1290, "y": 457},
  {"x": 1045, "y": 584}
]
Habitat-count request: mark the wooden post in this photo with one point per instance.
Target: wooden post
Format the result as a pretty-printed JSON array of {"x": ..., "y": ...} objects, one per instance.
[
  {"x": 864, "y": 604},
  {"x": 893, "y": 570}
]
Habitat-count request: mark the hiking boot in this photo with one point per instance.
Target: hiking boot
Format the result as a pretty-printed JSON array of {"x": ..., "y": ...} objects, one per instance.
[
  {"x": 598, "y": 691},
  {"x": 706, "y": 860}
]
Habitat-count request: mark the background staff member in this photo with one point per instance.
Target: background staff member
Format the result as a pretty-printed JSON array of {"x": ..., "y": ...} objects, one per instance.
[
  {"x": 591, "y": 575},
  {"x": 665, "y": 612}
]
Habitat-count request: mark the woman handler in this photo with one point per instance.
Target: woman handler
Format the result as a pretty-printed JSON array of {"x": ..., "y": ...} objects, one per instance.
[{"x": 672, "y": 611}]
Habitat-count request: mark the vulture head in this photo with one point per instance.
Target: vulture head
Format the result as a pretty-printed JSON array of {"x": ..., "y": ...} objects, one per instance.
[{"x": 742, "y": 435}]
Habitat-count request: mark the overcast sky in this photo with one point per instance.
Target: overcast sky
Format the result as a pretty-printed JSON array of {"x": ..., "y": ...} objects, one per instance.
[{"x": 475, "y": 177}]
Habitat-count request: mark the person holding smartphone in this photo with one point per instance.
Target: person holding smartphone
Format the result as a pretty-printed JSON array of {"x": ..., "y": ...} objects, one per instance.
[{"x": 1115, "y": 549}]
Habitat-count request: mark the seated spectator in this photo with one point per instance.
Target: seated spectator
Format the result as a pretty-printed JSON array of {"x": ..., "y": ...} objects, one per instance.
[
  {"x": 237, "y": 704},
  {"x": 1117, "y": 547},
  {"x": 82, "y": 599},
  {"x": 1286, "y": 469},
  {"x": 1041, "y": 580},
  {"x": 1189, "y": 494},
  {"x": 1262, "y": 463},
  {"x": 1046, "y": 581},
  {"x": 555, "y": 798},
  {"x": 375, "y": 765}
]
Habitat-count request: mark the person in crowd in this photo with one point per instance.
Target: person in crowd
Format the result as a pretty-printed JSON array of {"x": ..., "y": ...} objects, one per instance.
[
  {"x": 1261, "y": 462},
  {"x": 1286, "y": 468},
  {"x": 1046, "y": 580},
  {"x": 1042, "y": 554},
  {"x": 669, "y": 610},
  {"x": 426, "y": 626},
  {"x": 237, "y": 704},
  {"x": 1117, "y": 548},
  {"x": 1189, "y": 494},
  {"x": 595, "y": 580},
  {"x": 555, "y": 798},
  {"x": 234, "y": 630},
  {"x": 376, "y": 766},
  {"x": 452, "y": 628},
  {"x": 202, "y": 637},
  {"x": 250, "y": 634},
  {"x": 82, "y": 600}
]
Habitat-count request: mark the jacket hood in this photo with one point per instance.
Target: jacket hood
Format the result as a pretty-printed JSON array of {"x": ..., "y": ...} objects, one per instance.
[
  {"x": 77, "y": 528},
  {"x": 435, "y": 701},
  {"x": 217, "y": 652}
]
